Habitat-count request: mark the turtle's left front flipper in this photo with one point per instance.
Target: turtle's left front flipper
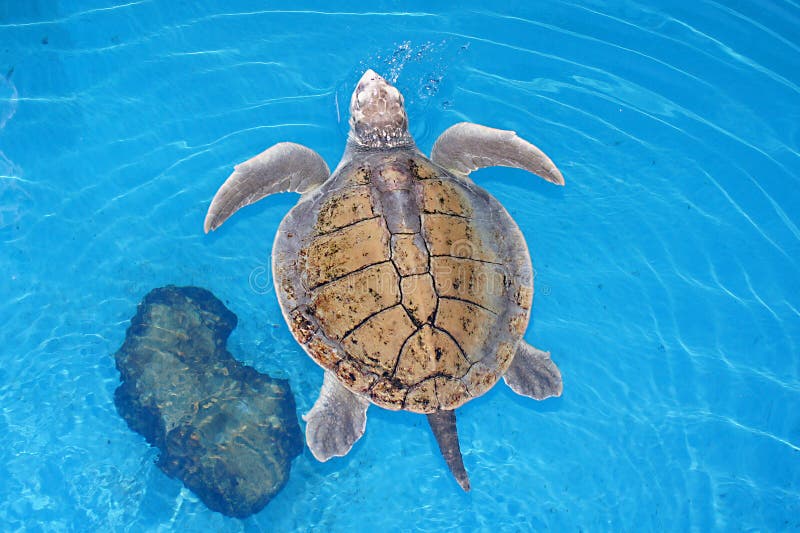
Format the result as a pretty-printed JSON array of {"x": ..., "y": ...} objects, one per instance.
[
  {"x": 285, "y": 167},
  {"x": 532, "y": 373},
  {"x": 466, "y": 147}
]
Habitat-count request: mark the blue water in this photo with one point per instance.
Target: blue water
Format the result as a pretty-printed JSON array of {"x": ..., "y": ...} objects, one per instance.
[{"x": 667, "y": 279}]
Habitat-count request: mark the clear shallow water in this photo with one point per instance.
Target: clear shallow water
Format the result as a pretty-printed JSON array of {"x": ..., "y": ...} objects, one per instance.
[{"x": 667, "y": 268}]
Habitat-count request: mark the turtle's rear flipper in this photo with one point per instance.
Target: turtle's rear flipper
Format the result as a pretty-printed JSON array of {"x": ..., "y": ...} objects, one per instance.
[
  {"x": 532, "y": 373},
  {"x": 443, "y": 424},
  {"x": 285, "y": 167},
  {"x": 336, "y": 421}
]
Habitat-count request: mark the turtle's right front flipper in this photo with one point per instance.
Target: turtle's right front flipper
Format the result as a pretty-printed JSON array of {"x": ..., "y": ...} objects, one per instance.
[
  {"x": 466, "y": 147},
  {"x": 336, "y": 421},
  {"x": 285, "y": 167}
]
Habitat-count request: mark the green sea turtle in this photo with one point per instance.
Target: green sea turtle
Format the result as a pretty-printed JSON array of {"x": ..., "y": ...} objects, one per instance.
[{"x": 409, "y": 284}]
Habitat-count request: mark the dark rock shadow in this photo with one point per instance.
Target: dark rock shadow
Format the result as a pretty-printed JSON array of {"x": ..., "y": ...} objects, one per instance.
[{"x": 224, "y": 429}]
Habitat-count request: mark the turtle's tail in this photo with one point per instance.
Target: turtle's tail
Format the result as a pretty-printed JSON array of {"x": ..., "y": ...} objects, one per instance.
[{"x": 443, "y": 424}]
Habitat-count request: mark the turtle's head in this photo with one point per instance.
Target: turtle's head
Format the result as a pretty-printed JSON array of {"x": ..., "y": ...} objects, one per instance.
[{"x": 377, "y": 116}]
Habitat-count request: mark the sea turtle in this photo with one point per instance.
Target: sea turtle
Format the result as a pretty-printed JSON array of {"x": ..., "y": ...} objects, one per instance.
[{"x": 409, "y": 284}]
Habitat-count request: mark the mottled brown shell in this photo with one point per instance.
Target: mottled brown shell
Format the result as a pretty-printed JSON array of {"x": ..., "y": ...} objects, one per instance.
[{"x": 412, "y": 285}]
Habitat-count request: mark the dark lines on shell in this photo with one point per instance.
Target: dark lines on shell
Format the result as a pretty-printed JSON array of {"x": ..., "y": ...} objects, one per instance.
[
  {"x": 370, "y": 360},
  {"x": 351, "y": 273}
]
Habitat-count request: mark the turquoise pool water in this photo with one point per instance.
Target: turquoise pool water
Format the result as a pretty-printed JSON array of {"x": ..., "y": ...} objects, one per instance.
[{"x": 667, "y": 279}]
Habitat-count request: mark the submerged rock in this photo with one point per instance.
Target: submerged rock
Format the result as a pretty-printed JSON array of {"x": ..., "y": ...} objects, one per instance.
[{"x": 224, "y": 429}]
